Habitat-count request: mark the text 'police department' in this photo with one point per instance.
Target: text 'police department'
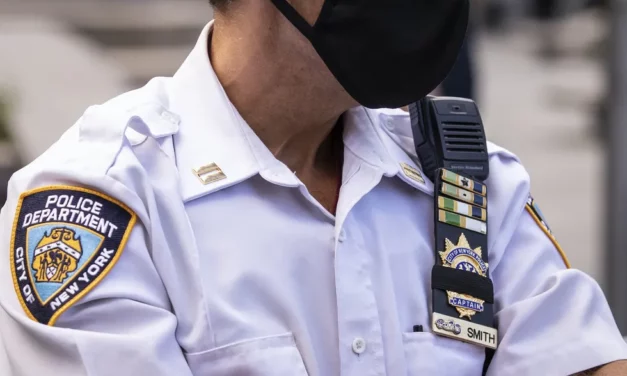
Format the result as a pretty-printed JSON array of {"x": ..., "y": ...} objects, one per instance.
[{"x": 67, "y": 208}]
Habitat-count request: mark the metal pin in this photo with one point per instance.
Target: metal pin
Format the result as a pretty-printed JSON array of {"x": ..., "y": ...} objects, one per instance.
[
  {"x": 210, "y": 173},
  {"x": 412, "y": 173}
]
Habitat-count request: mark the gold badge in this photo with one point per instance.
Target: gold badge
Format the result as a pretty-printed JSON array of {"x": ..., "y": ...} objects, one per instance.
[{"x": 462, "y": 256}]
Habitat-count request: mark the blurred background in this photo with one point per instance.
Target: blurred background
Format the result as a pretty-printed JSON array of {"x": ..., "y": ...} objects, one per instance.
[{"x": 549, "y": 77}]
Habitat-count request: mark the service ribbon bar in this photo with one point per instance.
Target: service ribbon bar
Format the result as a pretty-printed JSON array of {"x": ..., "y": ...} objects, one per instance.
[
  {"x": 464, "y": 182},
  {"x": 461, "y": 208},
  {"x": 463, "y": 195},
  {"x": 457, "y": 220}
]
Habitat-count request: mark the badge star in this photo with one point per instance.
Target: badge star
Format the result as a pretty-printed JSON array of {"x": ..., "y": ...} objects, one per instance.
[
  {"x": 464, "y": 260},
  {"x": 449, "y": 246}
]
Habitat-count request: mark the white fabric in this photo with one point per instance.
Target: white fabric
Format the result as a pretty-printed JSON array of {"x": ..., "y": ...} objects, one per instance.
[{"x": 251, "y": 276}]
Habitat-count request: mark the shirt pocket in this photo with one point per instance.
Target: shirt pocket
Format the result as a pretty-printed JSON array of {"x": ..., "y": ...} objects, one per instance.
[
  {"x": 274, "y": 355},
  {"x": 429, "y": 354}
]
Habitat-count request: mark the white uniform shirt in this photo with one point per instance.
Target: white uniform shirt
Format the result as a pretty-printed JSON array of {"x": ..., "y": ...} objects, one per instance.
[{"x": 249, "y": 275}]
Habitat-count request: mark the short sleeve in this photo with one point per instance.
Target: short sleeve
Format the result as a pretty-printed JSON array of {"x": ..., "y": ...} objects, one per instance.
[
  {"x": 79, "y": 293},
  {"x": 552, "y": 320}
]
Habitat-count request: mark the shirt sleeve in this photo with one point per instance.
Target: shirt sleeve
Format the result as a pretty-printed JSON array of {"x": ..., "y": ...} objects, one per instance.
[
  {"x": 552, "y": 320},
  {"x": 123, "y": 323}
]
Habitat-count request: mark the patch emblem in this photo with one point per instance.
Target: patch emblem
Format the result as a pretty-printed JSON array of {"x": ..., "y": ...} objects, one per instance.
[
  {"x": 536, "y": 214},
  {"x": 462, "y": 256},
  {"x": 65, "y": 240}
]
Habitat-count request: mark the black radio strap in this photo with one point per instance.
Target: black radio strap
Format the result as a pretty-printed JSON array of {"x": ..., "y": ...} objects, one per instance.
[{"x": 451, "y": 144}]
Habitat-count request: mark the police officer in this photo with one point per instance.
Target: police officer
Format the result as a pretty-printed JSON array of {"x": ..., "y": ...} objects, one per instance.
[{"x": 247, "y": 217}]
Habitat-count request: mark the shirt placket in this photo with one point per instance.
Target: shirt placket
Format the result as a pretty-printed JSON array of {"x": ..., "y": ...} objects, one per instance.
[{"x": 359, "y": 326}]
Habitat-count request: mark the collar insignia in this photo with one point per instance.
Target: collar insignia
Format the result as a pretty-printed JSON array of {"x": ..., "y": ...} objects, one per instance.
[{"x": 210, "y": 173}]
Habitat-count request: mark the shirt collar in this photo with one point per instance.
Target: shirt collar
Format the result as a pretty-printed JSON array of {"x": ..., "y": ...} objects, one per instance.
[
  {"x": 393, "y": 128},
  {"x": 212, "y": 133}
]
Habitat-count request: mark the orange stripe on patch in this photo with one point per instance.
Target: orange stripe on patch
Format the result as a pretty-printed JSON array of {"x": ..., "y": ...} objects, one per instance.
[{"x": 551, "y": 236}]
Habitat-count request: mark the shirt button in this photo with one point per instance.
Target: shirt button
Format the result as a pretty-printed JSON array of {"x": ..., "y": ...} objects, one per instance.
[
  {"x": 359, "y": 345},
  {"x": 342, "y": 236}
]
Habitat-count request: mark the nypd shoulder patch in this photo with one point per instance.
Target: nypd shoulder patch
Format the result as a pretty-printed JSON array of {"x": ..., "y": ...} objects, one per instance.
[
  {"x": 535, "y": 212},
  {"x": 64, "y": 242}
]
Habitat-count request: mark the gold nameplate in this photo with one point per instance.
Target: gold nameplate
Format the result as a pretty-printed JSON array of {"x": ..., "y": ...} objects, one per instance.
[
  {"x": 209, "y": 174},
  {"x": 465, "y": 331}
]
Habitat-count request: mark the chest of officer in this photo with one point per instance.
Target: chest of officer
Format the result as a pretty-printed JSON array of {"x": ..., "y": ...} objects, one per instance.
[{"x": 276, "y": 286}]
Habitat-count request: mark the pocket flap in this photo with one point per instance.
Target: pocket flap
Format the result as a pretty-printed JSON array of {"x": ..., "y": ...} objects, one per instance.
[{"x": 274, "y": 355}]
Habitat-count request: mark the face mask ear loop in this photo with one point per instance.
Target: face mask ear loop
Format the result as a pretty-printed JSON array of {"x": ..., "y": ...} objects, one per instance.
[
  {"x": 325, "y": 12},
  {"x": 294, "y": 17}
]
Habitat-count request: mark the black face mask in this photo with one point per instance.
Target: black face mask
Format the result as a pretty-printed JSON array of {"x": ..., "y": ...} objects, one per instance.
[{"x": 386, "y": 53}]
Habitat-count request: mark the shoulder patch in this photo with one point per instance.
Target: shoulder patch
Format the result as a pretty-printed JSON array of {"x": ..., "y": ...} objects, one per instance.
[
  {"x": 64, "y": 242},
  {"x": 533, "y": 209}
]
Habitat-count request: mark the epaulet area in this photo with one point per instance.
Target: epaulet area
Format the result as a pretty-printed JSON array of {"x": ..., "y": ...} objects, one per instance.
[{"x": 105, "y": 129}]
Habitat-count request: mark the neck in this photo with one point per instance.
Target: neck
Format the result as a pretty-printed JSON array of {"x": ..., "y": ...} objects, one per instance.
[{"x": 278, "y": 85}]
